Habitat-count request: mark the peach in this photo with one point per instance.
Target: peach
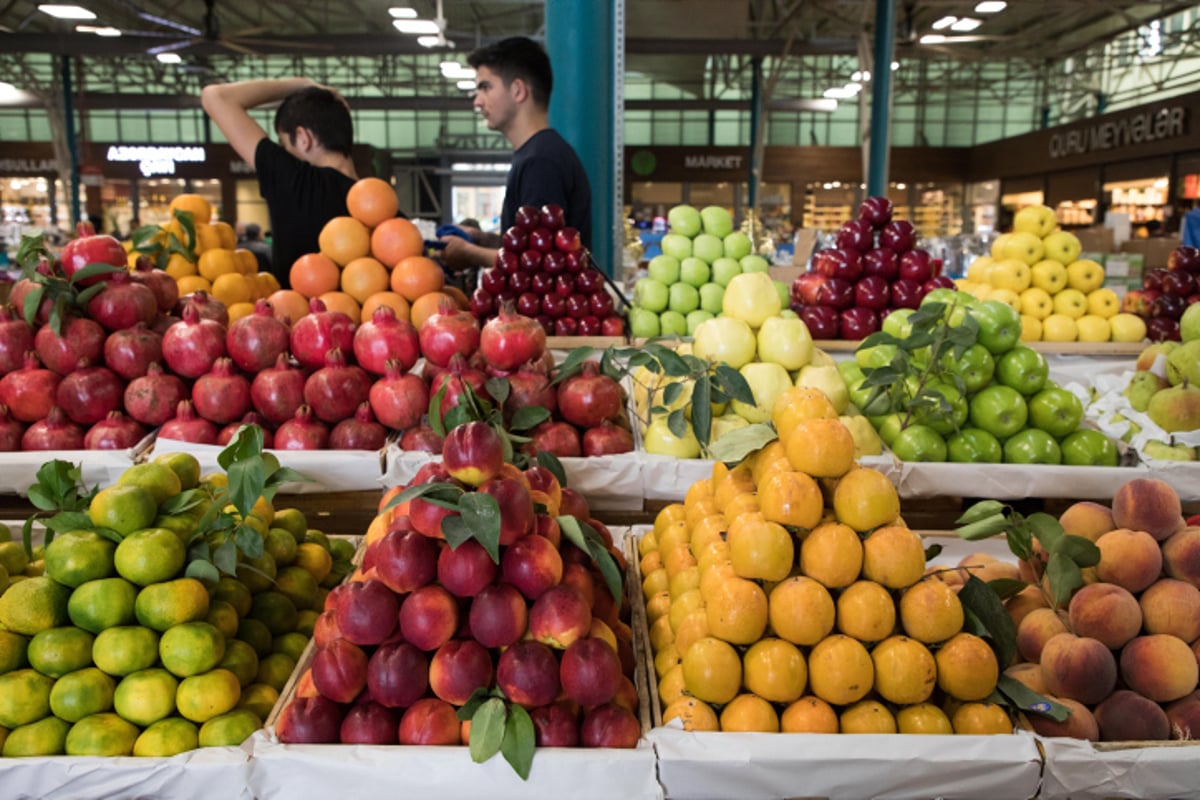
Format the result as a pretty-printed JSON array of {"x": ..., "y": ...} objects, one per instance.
[
  {"x": 555, "y": 725},
  {"x": 1030, "y": 675},
  {"x": 1159, "y": 666},
  {"x": 1129, "y": 558},
  {"x": 340, "y": 671},
  {"x": 559, "y": 617},
  {"x": 528, "y": 674},
  {"x": 1079, "y": 725},
  {"x": 325, "y": 629},
  {"x": 498, "y": 616},
  {"x": 1127, "y": 716},
  {"x": 465, "y": 570},
  {"x": 1078, "y": 668},
  {"x": 397, "y": 675},
  {"x": 580, "y": 578},
  {"x": 1039, "y": 626},
  {"x": 458, "y": 668},
  {"x": 1087, "y": 519},
  {"x": 610, "y": 726},
  {"x": 1106, "y": 612},
  {"x": 367, "y": 614},
  {"x": 1181, "y": 556},
  {"x": 1184, "y": 716},
  {"x": 429, "y": 617},
  {"x": 532, "y": 565},
  {"x": 1023, "y": 602},
  {"x": 369, "y": 723},
  {"x": 430, "y": 722},
  {"x": 406, "y": 561},
  {"x": 626, "y": 696},
  {"x": 1150, "y": 505},
  {"x": 1171, "y": 606},
  {"x": 987, "y": 567},
  {"x": 590, "y": 672},
  {"x": 310, "y": 720}
]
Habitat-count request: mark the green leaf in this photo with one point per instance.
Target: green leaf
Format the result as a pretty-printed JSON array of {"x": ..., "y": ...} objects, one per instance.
[
  {"x": 107, "y": 533},
  {"x": 246, "y": 481},
  {"x": 284, "y": 475},
  {"x": 672, "y": 392},
  {"x": 983, "y": 528},
  {"x": 571, "y": 365},
  {"x": 202, "y": 571},
  {"x": 487, "y": 729},
  {"x": 985, "y": 604},
  {"x": 519, "y": 740},
  {"x": 41, "y": 499},
  {"x": 225, "y": 557},
  {"x": 27, "y": 536},
  {"x": 499, "y": 389},
  {"x": 460, "y": 414},
  {"x": 672, "y": 364},
  {"x": 586, "y": 538},
  {"x": 1064, "y": 577},
  {"x": 1026, "y": 699},
  {"x": 972, "y": 625},
  {"x": 677, "y": 424},
  {"x": 733, "y": 385},
  {"x": 144, "y": 234},
  {"x": 1020, "y": 542},
  {"x": 32, "y": 302},
  {"x": 609, "y": 366},
  {"x": 550, "y": 461},
  {"x": 981, "y": 510},
  {"x": 1007, "y": 587},
  {"x": 702, "y": 410},
  {"x": 529, "y": 417},
  {"x": 248, "y": 540},
  {"x": 1080, "y": 550},
  {"x": 246, "y": 442},
  {"x": 737, "y": 444},
  {"x": 481, "y": 515},
  {"x": 430, "y": 491},
  {"x": 184, "y": 501},
  {"x": 70, "y": 521},
  {"x": 878, "y": 338},
  {"x": 187, "y": 221},
  {"x": 84, "y": 297},
  {"x": 933, "y": 551},
  {"x": 473, "y": 703},
  {"x": 93, "y": 270},
  {"x": 1045, "y": 528},
  {"x": 435, "y": 411}
]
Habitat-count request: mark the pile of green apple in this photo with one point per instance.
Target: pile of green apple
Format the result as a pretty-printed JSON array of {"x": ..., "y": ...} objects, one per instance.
[
  {"x": 685, "y": 285},
  {"x": 1007, "y": 410}
]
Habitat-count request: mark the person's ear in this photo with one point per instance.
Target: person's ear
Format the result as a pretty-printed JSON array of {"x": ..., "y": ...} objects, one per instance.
[
  {"x": 518, "y": 90},
  {"x": 303, "y": 140}
]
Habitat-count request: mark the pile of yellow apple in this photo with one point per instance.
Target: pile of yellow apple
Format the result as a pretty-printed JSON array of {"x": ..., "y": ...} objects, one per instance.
[{"x": 1037, "y": 270}]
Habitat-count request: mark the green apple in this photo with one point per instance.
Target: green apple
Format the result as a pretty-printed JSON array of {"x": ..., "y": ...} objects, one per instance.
[
  {"x": 643, "y": 323},
  {"x": 724, "y": 270},
  {"x": 1183, "y": 364},
  {"x": 1089, "y": 448},
  {"x": 712, "y": 298},
  {"x": 999, "y": 410},
  {"x": 683, "y": 297},
  {"x": 676, "y": 246},
  {"x": 889, "y": 427},
  {"x": 948, "y": 416},
  {"x": 785, "y": 295},
  {"x": 767, "y": 381},
  {"x": 1023, "y": 369},
  {"x": 684, "y": 220},
  {"x": 866, "y": 440},
  {"x": 725, "y": 423},
  {"x": 664, "y": 269},
  {"x": 1189, "y": 324},
  {"x": 874, "y": 357},
  {"x": 650, "y": 294},
  {"x": 785, "y": 342},
  {"x": 1142, "y": 386},
  {"x": 999, "y": 325},
  {"x": 738, "y": 244},
  {"x": 974, "y": 446},
  {"x": 754, "y": 263},
  {"x": 659, "y": 440},
  {"x": 694, "y": 271},
  {"x": 919, "y": 443},
  {"x": 976, "y": 367},
  {"x": 725, "y": 340},
  {"x": 851, "y": 373},
  {"x": 673, "y": 323},
  {"x": 1032, "y": 446},
  {"x": 708, "y": 248},
  {"x": 1055, "y": 411},
  {"x": 829, "y": 381},
  {"x": 751, "y": 298},
  {"x": 897, "y": 324},
  {"x": 717, "y": 221},
  {"x": 694, "y": 319}
]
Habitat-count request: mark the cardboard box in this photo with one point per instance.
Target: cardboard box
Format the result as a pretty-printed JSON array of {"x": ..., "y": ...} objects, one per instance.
[
  {"x": 805, "y": 243},
  {"x": 1155, "y": 251},
  {"x": 1096, "y": 239}
]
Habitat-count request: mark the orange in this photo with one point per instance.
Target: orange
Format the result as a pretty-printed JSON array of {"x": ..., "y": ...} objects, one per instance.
[
  {"x": 809, "y": 715},
  {"x": 216, "y": 262},
  {"x": 226, "y": 235},
  {"x": 749, "y": 713},
  {"x": 712, "y": 671},
  {"x": 700, "y": 490},
  {"x": 415, "y": 276},
  {"x": 869, "y": 716},
  {"x": 864, "y": 499},
  {"x": 426, "y": 306},
  {"x": 458, "y": 296},
  {"x": 692, "y": 629},
  {"x": 774, "y": 670},
  {"x": 931, "y": 612},
  {"x": 267, "y": 283},
  {"x": 791, "y": 498},
  {"x": 396, "y": 239},
  {"x": 178, "y": 266},
  {"x": 371, "y": 201},
  {"x": 709, "y": 529},
  {"x": 231, "y": 288},
  {"x": 200, "y": 208},
  {"x": 247, "y": 263},
  {"x": 313, "y": 274},
  {"x": 289, "y": 305},
  {"x": 671, "y": 687},
  {"x": 344, "y": 239},
  {"x": 905, "y": 672},
  {"x": 822, "y": 448},
  {"x": 801, "y": 611},
  {"x": 923, "y": 718},
  {"x": 192, "y": 283},
  {"x": 840, "y": 670},
  {"x": 981, "y": 719},
  {"x": 760, "y": 549},
  {"x": 208, "y": 238},
  {"x": 798, "y": 404},
  {"x": 893, "y": 556},
  {"x": 737, "y": 611},
  {"x": 831, "y": 554},
  {"x": 239, "y": 310},
  {"x": 967, "y": 668},
  {"x": 364, "y": 277},
  {"x": 696, "y": 715},
  {"x": 865, "y": 611},
  {"x": 340, "y": 301}
]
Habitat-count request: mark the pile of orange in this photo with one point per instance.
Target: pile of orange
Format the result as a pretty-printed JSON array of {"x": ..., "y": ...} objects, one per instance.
[
  {"x": 368, "y": 259},
  {"x": 787, "y": 594}
]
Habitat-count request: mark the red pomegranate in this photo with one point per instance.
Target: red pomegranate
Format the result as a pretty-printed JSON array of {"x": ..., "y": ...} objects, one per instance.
[
  {"x": 164, "y": 287},
  {"x": 589, "y": 398},
  {"x": 385, "y": 337},
  {"x": 91, "y": 248},
  {"x": 302, "y": 432},
  {"x": 509, "y": 339},
  {"x": 191, "y": 347},
  {"x": 122, "y": 303},
  {"x": 153, "y": 398},
  {"x": 318, "y": 332},
  {"x": 89, "y": 393},
  {"x": 114, "y": 432},
  {"x": 335, "y": 390},
  {"x": 55, "y": 432},
  {"x": 223, "y": 394},
  {"x": 16, "y": 339},
  {"x": 10, "y": 431},
  {"x": 277, "y": 392},
  {"x": 227, "y": 433},
  {"x": 80, "y": 338},
  {"x": 360, "y": 432},
  {"x": 29, "y": 391},
  {"x": 399, "y": 400},
  {"x": 256, "y": 341},
  {"x": 130, "y": 352},
  {"x": 449, "y": 332},
  {"x": 187, "y": 427}
]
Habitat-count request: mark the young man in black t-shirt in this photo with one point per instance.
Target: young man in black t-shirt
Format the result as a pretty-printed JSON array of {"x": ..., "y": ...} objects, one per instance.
[
  {"x": 305, "y": 177},
  {"x": 513, "y": 82}
]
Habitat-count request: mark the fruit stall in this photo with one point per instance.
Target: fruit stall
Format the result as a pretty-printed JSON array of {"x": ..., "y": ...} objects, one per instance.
[{"x": 873, "y": 532}]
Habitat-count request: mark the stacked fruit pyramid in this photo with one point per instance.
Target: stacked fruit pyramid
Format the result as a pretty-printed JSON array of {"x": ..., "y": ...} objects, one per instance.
[
  {"x": 126, "y": 647},
  {"x": 1037, "y": 270},
  {"x": 778, "y": 591},
  {"x": 1166, "y": 294}
]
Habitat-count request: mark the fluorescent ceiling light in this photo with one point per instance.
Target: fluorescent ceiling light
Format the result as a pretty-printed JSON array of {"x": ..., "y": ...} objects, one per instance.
[
  {"x": 107, "y": 31},
  {"x": 840, "y": 93},
  {"x": 991, "y": 7},
  {"x": 170, "y": 58},
  {"x": 400, "y": 12},
  {"x": 944, "y": 22},
  {"x": 858, "y": 76},
  {"x": 420, "y": 26},
  {"x": 933, "y": 38},
  {"x": 895, "y": 66},
  {"x": 966, "y": 24},
  {"x": 467, "y": 86},
  {"x": 852, "y": 88},
  {"x": 429, "y": 41},
  {"x": 66, "y": 11},
  {"x": 449, "y": 66}
]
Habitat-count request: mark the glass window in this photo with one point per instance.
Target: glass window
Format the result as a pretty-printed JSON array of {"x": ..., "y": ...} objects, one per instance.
[
  {"x": 164, "y": 126},
  {"x": 667, "y": 131},
  {"x": 39, "y": 127}
]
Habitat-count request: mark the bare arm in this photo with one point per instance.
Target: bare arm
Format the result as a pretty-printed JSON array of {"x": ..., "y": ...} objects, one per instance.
[
  {"x": 460, "y": 254},
  {"x": 228, "y": 104}
]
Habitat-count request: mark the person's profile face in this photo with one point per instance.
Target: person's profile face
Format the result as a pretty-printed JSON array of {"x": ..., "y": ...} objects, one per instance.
[{"x": 493, "y": 99}]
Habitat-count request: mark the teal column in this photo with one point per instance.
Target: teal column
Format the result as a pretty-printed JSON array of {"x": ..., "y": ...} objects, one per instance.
[
  {"x": 72, "y": 145},
  {"x": 583, "y": 44},
  {"x": 881, "y": 90}
]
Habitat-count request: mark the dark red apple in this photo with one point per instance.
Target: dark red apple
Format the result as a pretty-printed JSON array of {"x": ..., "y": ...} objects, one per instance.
[
  {"x": 541, "y": 239},
  {"x": 1169, "y": 306},
  {"x": 494, "y": 280},
  {"x": 555, "y": 725},
  {"x": 531, "y": 261},
  {"x": 520, "y": 283},
  {"x": 876, "y": 210},
  {"x": 483, "y": 304},
  {"x": 915, "y": 266},
  {"x": 937, "y": 282},
  {"x": 516, "y": 507},
  {"x": 542, "y": 284},
  {"x": 515, "y": 239},
  {"x": 553, "y": 216},
  {"x": 528, "y": 217},
  {"x": 601, "y": 304},
  {"x": 576, "y": 262},
  {"x": 1152, "y": 279},
  {"x": 858, "y": 323},
  {"x": 899, "y": 235},
  {"x": 837, "y": 293},
  {"x": 567, "y": 240},
  {"x": 405, "y": 560},
  {"x": 804, "y": 288},
  {"x": 1162, "y": 329},
  {"x": 498, "y": 615},
  {"x": 589, "y": 326},
  {"x": 370, "y": 723},
  {"x": 465, "y": 570},
  {"x": 554, "y": 262},
  {"x": 612, "y": 326},
  {"x": 872, "y": 292},
  {"x": 822, "y": 321},
  {"x": 1179, "y": 283},
  {"x": 578, "y": 306},
  {"x": 554, "y": 305},
  {"x": 339, "y": 671},
  {"x": 590, "y": 672},
  {"x": 367, "y": 613},
  {"x": 589, "y": 281},
  {"x": 906, "y": 294},
  {"x": 1185, "y": 258},
  {"x": 507, "y": 261},
  {"x": 564, "y": 286},
  {"x": 610, "y": 726},
  {"x": 882, "y": 262},
  {"x": 530, "y": 304},
  {"x": 528, "y": 673},
  {"x": 857, "y": 236}
]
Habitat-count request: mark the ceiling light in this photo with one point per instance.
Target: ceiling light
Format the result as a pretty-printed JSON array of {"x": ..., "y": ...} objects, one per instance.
[
  {"x": 66, "y": 11},
  {"x": 421, "y": 26},
  {"x": 901, "y": 186},
  {"x": 857, "y": 75},
  {"x": 449, "y": 66},
  {"x": 400, "y": 12},
  {"x": 933, "y": 38},
  {"x": 944, "y": 22},
  {"x": 106, "y": 31},
  {"x": 852, "y": 88},
  {"x": 991, "y": 7},
  {"x": 429, "y": 41},
  {"x": 170, "y": 58},
  {"x": 895, "y": 66},
  {"x": 466, "y": 86},
  {"x": 840, "y": 93},
  {"x": 966, "y": 24}
]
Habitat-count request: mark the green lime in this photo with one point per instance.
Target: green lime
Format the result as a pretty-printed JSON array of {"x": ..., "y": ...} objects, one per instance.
[
  {"x": 275, "y": 669},
  {"x": 291, "y": 520},
  {"x": 24, "y": 697},
  {"x": 46, "y": 737},
  {"x": 191, "y": 648},
  {"x": 184, "y": 465},
  {"x": 82, "y": 693},
  {"x": 259, "y": 698},
  {"x": 224, "y": 617},
  {"x": 276, "y": 611},
  {"x": 314, "y": 536},
  {"x": 229, "y": 729},
  {"x": 151, "y": 555},
  {"x": 163, "y": 605},
  {"x": 207, "y": 695},
  {"x": 241, "y": 660},
  {"x": 125, "y": 509},
  {"x": 34, "y": 605},
  {"x": 13, "y": 651},
  {"x": 255, "y": 634},
  {"x": 158, "y": 479},
  {"x": 233, "y": 592},
  {"x": 306, "y": 620},
  {"x": 167, "y": 737},
  {"x": 13, "y": 557},
  {"x": 58, "y": 651},
  {"x": 106, "y": 603},
  {"x": 124, "y": 650},
  {"x": 298, "y": 585},
  {"x": 101, "y": 735},
  {"x": 257, "y": 573},
  {"x": 182, "y": 525},
  {"x": 281, "y": 545},
  {"x": 290, "y": 644},
  {"x": 75, "y": 557},
  {"x": 146, "y": 696}
]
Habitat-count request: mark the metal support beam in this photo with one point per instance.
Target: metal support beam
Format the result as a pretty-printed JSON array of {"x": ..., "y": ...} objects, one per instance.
[
  {"x": 881, "y": 87},
  {"x": 756, "y": 110},
  {"x": 72, "y": 145}
]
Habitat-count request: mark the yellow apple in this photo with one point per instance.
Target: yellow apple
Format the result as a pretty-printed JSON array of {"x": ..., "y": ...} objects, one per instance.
[
  {"x": 1071, "y": 303},
  {"x": 1127, "y": 328},
  {"x": 1011, "y": 273},
  {"x": 828, "y": 380},
  {"x": 1031, "y": 329},
  {"x": 1103, "y": 303},
  {"x": 1036, "y": 303},
  {"x": 1059, "y": 328},
  {"x": 1025, "y": 247},
  {"x": 1085, "y": 275},
  {"x": 866, "y": 440},
  {"x": 1062, "y": 246},
  {"x": 1037, "y": 220},
  {"x": 1093, "y": 328},
  {"x": 1006, "y": 296},
  {"x": 977, "y": 272},
  {"x": 1049, "y": 275},
  {"x": 999, "y": 244}
]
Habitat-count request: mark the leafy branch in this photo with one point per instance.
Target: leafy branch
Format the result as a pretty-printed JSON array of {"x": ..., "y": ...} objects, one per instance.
[
  {"x": 474, "y": 407},
  {"x": 149, "y": 241},
  {"x": 499, "y": 726},
  {"x": 58, "y": 491}
]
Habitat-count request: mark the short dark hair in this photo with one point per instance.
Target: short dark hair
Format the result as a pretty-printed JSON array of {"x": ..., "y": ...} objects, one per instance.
[
  {"x": 320, "y": 111},
  {"x": 253, "y": 231},
  {"x": 518, "y": 57}
]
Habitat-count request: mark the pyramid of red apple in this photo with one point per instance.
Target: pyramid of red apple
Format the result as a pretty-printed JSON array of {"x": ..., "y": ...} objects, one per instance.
[
  {"x": 875, "y": 267},
  {"x": 1166, "y": 294}
]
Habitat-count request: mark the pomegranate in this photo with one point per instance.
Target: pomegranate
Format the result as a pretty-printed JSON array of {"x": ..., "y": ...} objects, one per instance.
[
  {"x": 187, "y": 427},
  {"x": 163, "y": 322},
  {"x": 89, "y": 393},
  {"x": 166, "y": 291},
  {"x": 509, "y": 340},
  {"x": 29, "y": 391},
  {"x": 130, "y": 352},
  {"x": 256, "y": 340},
  {"x": 20, "y": 290},
  {"x": 191, "y": 347},
  {"x": 529, "y": 387},
  {"x": 589, "y": 398},
  {"x": 277, "y": 392},
  {"x": 206, "y": 305},
  {"x": 16, "y": 339},
  {"x": 122, "y": 303},
  {"x": 55, "y": 432},
  {"x": 456, "y": 377},
  {"x": 399, "y": 399},
  {"x": 318, "y": 332},
  {"x": 302, "y": 432},
  {"x": 559, "y": 438},
  {"x": 449, "y": 332},
  {"x": 222, "y": 395},
  {"x": 251, "y": 418},
  {"x": 91, "y": 248},
  {"x": 421, "y": 439},
  {"x": 386, "y": 337},
  {"x": 153, "y": 398},
  {"x": 606, "y": 439},
  {"x": 336, "y": 389},
  {"x": 10, "y": 431},
  {"x": 114, "y": 432},
  {"x": 80, "y": 338},
  {"x": 360, "y": 432}
]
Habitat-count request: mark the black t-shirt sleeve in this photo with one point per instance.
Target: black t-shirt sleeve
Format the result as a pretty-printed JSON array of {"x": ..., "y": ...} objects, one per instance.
[{"x": 541, "y": 181}]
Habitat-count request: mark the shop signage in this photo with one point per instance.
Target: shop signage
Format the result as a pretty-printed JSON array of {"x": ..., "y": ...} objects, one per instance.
[
  {"x": 1167, "y": 123},
  {"x": 155, "y": 159},
  {"x": 27, "y": 166},
  {"x": 700, "y": 161}
]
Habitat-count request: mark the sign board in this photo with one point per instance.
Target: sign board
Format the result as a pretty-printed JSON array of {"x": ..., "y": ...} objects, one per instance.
[{"x": 155, "y": 159}]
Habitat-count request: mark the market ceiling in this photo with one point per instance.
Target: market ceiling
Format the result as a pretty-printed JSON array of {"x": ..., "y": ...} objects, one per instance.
[{"x": 656, "y": 28}]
